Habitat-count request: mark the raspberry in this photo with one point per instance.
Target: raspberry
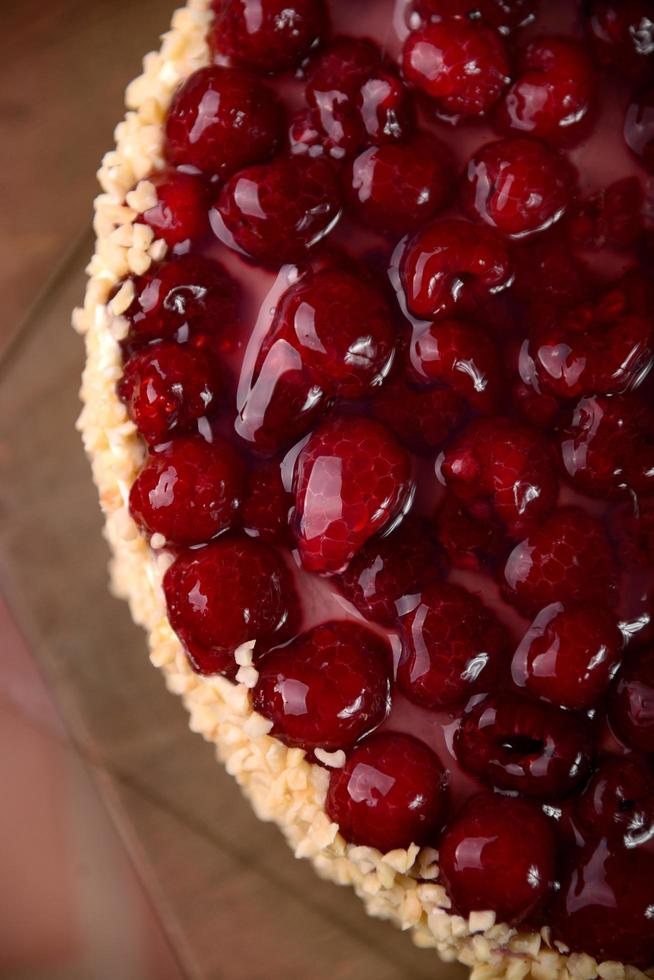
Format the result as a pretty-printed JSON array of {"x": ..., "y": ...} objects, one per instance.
[
  {"x": 604, "y": 906},
  {"x": 183, "y": 299},
  {"x": 230, "y": 592},
  {"x": 631, "y": 706},
  {"x": 276, "y": 211},
  {"x": 612, "y": 218},
  {"x": 618, "y": 802},
  {"x": 422, "y": 418},
  {"x": 461, "y": 356},
  {"x": 397, "y": 188},
  {"x": 462, "y": 65},
  {"x": 548, "y": 274},
  {"x": 503, "y": 470},
  {"x": 388, "y": 573},
  {"x": 504, "y": 15},
  {"x": 181, "y": 211},
  {"x": 167, "y": 388},
  {"x": 621, "y": 33},
  {"x": 392, "y": 792},
  {"x": 609, "y": 447},
  {"x": 498, "y": 854},
  {"x": 518, "y": 185},
  {"x": 553, "y": 94},
  {"x": 454, "y": 647},
  {"x": 568, "y": 655},
  {"x": 189, "y": 491},
  {"x": 222, "y": 119},
  {"x": 451, "y": 264},
  {"x": 468, "y": 543},
  {"x": 566, "y": 559},
  {"x": 267, "y": 504},
  {"x": 514, "y": 743},
  {"x": 327, "y": 688},
  {"x": 639, "y": 127},
  {"x": 277, "y": 38},
  {"x": 352, "y": 480}
]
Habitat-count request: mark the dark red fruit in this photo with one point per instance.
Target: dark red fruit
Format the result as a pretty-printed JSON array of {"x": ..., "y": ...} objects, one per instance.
[
  {"x": 387, "y": 575},
  {"x": 609, "y": 447},
  {"x": 602, "y": 347},
  {"x": 454, "y": 647},
  {"x": 569, "y": 655},
  {"x": 358, "y": 99},
  {"x": 461, "y": 356},
  {"x": 633, "y": 528},
  {"x": 341, "y": 325},
  {"x": 272, "y": 37},
  {"x": 352, "y": 479},
  {"x": 231, "y": 592},
  {"x": 611, "y": 218},
  {"x": 221, "y": 119},
  {"x": 566, "y": 559},
  {"x": 498, "y": 854},
  {"x": 621, "y": 33},
  {"x": 423, "y": 418},
  {"x": 468, "y": 543},
  {"x": 504, "y": 15},
  {"x": 605, "y": 905},
  {"x": 553, "y": 94},
  {"x": 327, "y": 688},
  {"x": 186, "y": 298},
  {"x": 267, "y": 505},
  {"x": 462, "y": 65},
  {"x": 631, "y": 707},
  {"x": 514, "y": 743},
  {"x": 189, "y": 491},
  {"x": 391, "y": 793},
  {"x": 181, "y": 212},
  {"x": 450, "y": 264},
  {"x": 276, "y": 211},
  {"x": 548, "y": 273},
  {"x": 517, "y": 185},
  {"x": 618, "y": 802},
  {"x": 397, "y": 188},
  {"x": 167, "y": 388},
  {"x": 501, "y": 469},
  {"x": 639, "y": 127}
]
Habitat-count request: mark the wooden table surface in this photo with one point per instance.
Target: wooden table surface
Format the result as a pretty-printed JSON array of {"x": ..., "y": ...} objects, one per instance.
[{"x": 233, "y": 901}]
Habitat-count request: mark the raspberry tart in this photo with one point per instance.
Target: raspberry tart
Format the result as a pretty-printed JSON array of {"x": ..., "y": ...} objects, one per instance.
[{"x": 369, "y": 404}]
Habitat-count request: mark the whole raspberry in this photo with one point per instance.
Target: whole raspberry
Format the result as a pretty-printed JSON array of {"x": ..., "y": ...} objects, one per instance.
[
  {"x": 449, "y": 265},
  {"x": 397, "y": 188},
  {"x": 274, "y": 38},
  {"x": 618, "y": 802},
  {"x": 385, "y": 577},
  {"x": 604, "y": 906},
  {"x": 621, "y": 33},
  {"x": 631, "y": 706},
  {"x": 609, "y": 446},
  {"x": 498, "y": 854},
  {"x": 422, "y": 418},
  {"x": 184, "y": 299},
  {"x": 352, "y": 480},
  {"x": 230, "y": 592},
  {"x": 461, "y": 356},
  {"x": 518, "y": 185},
  {"x": 639, "y": 127},
  {"x": 392, "y": 792},
  {"x": 566, "y": 559},
  {"x": 454, "y": 647},
  {"x": 189, "y": 491},
  {"x": 553, "y": 94},
  {"x": 467, "y": 542},
  {"x": 503, "y": 470},
  {"x": 167, "y": 388},
  {"x": 276, "y": 211},
  {"x": 462, "y": 65},
  {"x": 327, "y": 688},
  {"x": 505, "y": 16},
  {"x": 569, "y": 655},
  {"x": 514, "y": 743},
  {"x": 181, "y": 212},
  {"x": 267, "y": 505},
  {"x": 222, "y": 119}
]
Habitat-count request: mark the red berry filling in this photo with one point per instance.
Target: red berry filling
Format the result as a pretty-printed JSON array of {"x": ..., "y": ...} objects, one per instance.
[
  {"x": 327, "y": 688},
  {"x": 392, "y": 792},
  {"x": 444, "y": 560}
]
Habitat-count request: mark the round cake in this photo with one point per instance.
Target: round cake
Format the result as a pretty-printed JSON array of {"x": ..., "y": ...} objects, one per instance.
[{"x": 369, "y": 405}]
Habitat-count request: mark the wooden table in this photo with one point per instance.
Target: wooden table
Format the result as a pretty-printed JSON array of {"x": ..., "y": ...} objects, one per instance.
[{"x": 234, "y": 902}]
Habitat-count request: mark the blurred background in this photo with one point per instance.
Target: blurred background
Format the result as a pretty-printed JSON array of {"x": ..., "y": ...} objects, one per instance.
[{"x": 125, "y": 851}]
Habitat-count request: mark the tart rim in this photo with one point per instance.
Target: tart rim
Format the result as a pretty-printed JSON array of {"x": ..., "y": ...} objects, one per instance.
[{"x": 282, "y": 786}]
